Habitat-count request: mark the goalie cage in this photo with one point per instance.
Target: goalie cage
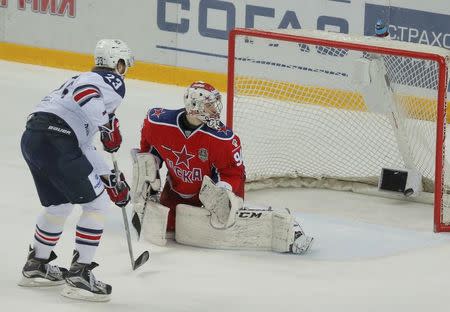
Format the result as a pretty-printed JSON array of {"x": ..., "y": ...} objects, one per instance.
[{"x": 332, "y": 110}]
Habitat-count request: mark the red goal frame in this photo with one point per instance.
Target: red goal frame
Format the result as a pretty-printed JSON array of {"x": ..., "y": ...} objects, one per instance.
[{"x": 439, "y": 226}]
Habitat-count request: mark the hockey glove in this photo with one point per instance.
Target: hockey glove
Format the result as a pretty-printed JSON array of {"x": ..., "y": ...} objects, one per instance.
[
  {"x": 119, "y": 192},
  {"x": 110, "y": 135}
]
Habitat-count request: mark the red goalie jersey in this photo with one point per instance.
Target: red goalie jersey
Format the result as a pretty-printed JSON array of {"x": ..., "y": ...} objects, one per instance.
[{"x": 205, "y": 151}]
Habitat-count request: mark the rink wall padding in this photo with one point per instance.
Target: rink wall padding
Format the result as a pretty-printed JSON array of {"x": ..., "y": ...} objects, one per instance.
[
  {"x": 178, "y": 41},
  {"x": 83, "y": 62}
]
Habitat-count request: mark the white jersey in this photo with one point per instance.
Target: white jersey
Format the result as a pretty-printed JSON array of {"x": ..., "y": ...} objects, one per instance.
[{"x": 85, "y": 101}]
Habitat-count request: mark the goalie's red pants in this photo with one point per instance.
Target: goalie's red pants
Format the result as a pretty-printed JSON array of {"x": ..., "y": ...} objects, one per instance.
[{"x": 170, "y": 199}]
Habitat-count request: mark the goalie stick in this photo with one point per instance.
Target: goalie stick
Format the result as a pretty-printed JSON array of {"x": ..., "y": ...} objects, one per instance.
[
  {"x": 150, "y": 196},
  {"x": 145, "y": 255},
  {"x": 136, "y": 224}
]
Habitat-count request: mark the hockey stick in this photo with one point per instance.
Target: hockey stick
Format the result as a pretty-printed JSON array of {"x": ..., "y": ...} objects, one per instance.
[
  {"x": 145, "y": 255},
  {"x": 135, "y": 220}
]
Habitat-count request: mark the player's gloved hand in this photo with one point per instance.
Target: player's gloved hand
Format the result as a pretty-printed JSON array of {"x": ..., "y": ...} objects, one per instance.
[
  {"x": 110, "y": 135},
  {"x": 119, "y": 192}
]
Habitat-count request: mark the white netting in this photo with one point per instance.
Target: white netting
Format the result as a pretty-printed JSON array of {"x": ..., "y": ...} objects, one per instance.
[{"x": 321, "y": 112}]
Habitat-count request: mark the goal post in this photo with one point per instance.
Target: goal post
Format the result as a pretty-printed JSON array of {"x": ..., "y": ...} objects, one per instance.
[{"x": 323, "y": 109}]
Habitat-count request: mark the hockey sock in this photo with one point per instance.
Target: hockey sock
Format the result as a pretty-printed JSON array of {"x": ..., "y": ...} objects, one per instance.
[
  {"x": 49, "y": 227},
  {"x": 90, "y": 228}
]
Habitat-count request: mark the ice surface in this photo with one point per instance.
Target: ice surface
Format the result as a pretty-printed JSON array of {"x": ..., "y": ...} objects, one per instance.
[{"x": 370, "y": 254}]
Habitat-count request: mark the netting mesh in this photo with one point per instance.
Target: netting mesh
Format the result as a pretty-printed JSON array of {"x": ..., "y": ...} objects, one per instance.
[{"x": 321, "y": 112}]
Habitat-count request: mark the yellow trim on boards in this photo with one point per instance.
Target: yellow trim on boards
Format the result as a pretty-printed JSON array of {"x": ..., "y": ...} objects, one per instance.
[
  {"x": 184, "y": 76},
  {"x": 83, "y": 62},
  {"x": 415, "y": 107}
]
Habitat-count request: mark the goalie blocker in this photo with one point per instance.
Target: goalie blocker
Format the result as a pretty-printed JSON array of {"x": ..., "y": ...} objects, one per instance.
[{"x": 222, "y": 223}]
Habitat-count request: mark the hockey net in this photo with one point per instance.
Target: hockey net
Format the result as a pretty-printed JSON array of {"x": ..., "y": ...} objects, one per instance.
[{"x": 323, "y": 109}]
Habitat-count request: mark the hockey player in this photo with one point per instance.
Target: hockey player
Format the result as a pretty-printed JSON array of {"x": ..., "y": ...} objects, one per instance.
[
  {"x": 205, "y": 169},
  {"x": 67, "y": 169}
]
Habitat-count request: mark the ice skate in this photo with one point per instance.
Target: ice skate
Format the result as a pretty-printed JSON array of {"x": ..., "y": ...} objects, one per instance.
[
  {"x": 38, "y": 272},
  {"x": 81, "y": 283}
]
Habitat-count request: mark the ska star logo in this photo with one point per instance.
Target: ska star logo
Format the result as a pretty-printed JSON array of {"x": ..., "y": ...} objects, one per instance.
[
  {"x": 183, "y": 157},
  {"x": 158, "y": 112}
]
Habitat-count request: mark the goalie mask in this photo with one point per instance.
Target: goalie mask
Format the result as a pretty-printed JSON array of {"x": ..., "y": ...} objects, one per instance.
[
  {"x": 203, "y": 101},
  {"x": 108, "y": 52}
]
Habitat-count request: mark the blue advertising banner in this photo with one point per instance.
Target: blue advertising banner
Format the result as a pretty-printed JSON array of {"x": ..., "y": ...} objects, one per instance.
[{"x": 409, "y": 25}]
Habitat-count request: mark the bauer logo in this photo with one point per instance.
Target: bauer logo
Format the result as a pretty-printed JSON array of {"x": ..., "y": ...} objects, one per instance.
[{"x": 410, "y": 25}]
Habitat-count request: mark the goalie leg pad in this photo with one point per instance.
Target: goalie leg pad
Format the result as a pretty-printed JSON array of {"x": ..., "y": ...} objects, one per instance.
[
  {"x": 254, "y": 229},
  {"x": 282, "y": 231},
  {"x": 154, "y": 223},
  {"x": 288, "y": 235},
  {"x": 251, "y": 231},
  {"x": 145, "y": 175}
]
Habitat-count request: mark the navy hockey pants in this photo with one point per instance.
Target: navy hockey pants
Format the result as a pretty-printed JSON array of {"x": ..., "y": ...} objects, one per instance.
[{"x": 59, "y": 168}]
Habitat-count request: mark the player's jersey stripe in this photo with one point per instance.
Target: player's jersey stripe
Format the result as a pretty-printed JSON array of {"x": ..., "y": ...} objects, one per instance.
[{"x": 84, "y": 93}]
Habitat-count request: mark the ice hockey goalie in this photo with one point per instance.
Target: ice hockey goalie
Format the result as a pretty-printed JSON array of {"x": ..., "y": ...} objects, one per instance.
[{"x": 202, "y": 199}]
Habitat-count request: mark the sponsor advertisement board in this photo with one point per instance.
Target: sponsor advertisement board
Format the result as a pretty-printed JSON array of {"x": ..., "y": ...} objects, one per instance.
[
  {"x": 193, "y": 33},
  {"x": 410, "y": 25}
]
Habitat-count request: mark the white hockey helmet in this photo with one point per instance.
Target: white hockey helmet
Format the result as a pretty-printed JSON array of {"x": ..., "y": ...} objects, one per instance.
[
  {"x": 204, "y": 102},
  {"x": 108, "y": 52}
]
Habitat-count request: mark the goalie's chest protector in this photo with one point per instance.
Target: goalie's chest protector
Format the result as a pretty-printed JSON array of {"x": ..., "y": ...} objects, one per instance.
[{"x": 188, "y": 158}]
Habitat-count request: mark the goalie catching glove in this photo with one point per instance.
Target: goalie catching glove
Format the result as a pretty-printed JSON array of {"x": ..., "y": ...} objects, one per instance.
[
  {"x": 110, "y": 135},
  {"x": 118, "y": 191},
  {"x": 221, "y": 202}
]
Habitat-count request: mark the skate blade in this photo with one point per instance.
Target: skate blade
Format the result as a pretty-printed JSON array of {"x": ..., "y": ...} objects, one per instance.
[
  {"x": 38, "y": 282},
  {"x": 81, "y": 294}
]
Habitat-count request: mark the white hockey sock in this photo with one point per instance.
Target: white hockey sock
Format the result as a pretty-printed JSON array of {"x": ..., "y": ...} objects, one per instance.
[
  {"x": 90, "y": 228},
  {"x": 49, "y": 227}
]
